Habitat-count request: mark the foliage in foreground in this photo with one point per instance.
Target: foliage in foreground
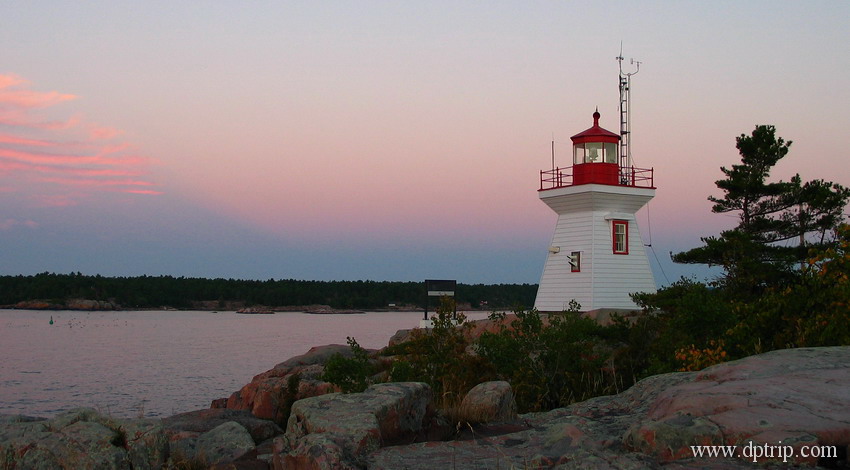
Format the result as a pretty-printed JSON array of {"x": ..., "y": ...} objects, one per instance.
[
  {"x": 441, "y": 357},
  {"x": 815, "y": 311},
  {"x": 350, "y": 374},
  {"x": 551, "y": 361}
]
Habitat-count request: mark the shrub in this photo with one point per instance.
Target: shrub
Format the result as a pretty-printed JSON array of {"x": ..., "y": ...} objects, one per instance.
[
  {"x": 693, "y": 358},
  {"x": 687, "y": 314},
  {"x": 286, "y": 399},
  {"x": 550, "y": 363},
  {"x": 812, "y": 312},
  {"x": 439, "y": 356},
  {"x": 350, "y": 374}
]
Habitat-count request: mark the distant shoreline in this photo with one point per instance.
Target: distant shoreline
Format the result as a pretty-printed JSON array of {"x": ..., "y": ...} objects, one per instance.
[{"x": 106, "y": 306}]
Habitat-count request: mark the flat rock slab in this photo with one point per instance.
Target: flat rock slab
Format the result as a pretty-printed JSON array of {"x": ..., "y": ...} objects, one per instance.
[{"x": 792, "y": 397}]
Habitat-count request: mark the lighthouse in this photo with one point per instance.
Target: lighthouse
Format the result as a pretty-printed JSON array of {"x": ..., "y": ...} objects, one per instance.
[{"x": 597, "y": 256}]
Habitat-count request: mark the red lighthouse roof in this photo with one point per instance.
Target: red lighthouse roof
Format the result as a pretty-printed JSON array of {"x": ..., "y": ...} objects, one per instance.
[{"x": 595, "y": 133}]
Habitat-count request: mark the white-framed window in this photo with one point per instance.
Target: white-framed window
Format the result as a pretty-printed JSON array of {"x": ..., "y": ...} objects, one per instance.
[{"x": 620, "y": 236}]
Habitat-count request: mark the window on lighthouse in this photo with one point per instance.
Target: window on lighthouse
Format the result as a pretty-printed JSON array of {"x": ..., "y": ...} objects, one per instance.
[
  {"x": 595, "y": 152},
  {"x": 610, "y": 152},
  {"x": 620, "y": 232}
]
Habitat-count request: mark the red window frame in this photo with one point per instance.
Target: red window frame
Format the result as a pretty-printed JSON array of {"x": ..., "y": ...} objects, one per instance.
[{"x": 625, "y": 225}]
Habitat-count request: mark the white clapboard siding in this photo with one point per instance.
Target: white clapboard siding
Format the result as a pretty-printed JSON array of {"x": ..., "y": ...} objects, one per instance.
[{"x": 585, "y": 214}]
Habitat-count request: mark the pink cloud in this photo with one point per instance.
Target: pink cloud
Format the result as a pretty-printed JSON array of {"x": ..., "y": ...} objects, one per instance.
[
  {"x": 17, "y": 119},
  {"x": 68, "y": 170},
  {"x": 102, "y": 133},
  {"x": 13, "y": 95},
  {"x": 96, "y": 182},
  {"x": 143, "y": 191},
  {"x": 9, "y": 224},
  {"x": 31, "y": 99},
  {"x": 11, "y": 139},
  {"x": 10, "y": 80},
  {"x": 69, "y": 153}
]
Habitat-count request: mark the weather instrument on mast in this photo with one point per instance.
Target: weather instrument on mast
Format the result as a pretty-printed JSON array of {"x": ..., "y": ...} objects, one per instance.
[{"x": 625, "y": 131}]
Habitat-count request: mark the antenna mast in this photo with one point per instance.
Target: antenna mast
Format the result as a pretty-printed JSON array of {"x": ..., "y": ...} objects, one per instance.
[{"x": 625, "y": 131}]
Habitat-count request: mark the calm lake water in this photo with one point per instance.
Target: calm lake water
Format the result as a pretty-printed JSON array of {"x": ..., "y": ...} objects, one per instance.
[{"x": 158, "y": 363}]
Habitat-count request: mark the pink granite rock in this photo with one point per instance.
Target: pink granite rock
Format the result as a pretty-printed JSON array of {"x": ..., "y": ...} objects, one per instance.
[
  {"x": 340, "y": 431},
  {"x": 489, "y": 402},
  {"x": 265, "y": 395},
  {"x": 791, "y": 397}
]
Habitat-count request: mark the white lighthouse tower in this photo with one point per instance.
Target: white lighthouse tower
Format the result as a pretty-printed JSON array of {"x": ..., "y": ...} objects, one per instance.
[{"x": 597, "y": 257}]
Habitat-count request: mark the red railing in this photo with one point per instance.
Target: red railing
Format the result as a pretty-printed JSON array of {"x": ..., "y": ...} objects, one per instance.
[{"x": 631, "y": 176}]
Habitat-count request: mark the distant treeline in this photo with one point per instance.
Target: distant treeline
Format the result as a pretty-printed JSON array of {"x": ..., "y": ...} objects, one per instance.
[{"x": 183, "y": 292}]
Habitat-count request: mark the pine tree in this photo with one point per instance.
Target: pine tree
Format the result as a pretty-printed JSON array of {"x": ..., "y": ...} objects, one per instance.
[{"x": 778, "y": 221}]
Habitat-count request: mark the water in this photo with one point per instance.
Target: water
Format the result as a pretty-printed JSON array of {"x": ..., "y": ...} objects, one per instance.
[{"x": 159, "y": 363}]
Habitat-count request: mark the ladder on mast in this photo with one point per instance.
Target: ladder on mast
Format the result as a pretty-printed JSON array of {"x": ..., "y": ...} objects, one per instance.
[{"x": 625, "y": 131}]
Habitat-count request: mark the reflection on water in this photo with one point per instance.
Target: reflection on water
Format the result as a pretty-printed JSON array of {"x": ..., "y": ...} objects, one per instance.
[{"x": 157, "y": 363}]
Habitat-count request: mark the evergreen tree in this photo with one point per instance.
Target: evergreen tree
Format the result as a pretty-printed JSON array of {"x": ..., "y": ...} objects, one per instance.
[{"x": 778, "y": 221}]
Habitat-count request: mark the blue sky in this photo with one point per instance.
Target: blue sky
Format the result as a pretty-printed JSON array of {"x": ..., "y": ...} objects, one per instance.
[{"x": 382, "y": 140}]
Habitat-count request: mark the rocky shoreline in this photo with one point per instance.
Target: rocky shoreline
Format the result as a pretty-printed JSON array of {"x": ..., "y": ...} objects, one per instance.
[{"x": 784, "y": 401}]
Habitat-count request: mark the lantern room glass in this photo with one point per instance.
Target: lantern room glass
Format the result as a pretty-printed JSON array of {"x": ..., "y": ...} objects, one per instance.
[
  {"x": 610, "y": 152},
  {"x": 595, "y": 152}
]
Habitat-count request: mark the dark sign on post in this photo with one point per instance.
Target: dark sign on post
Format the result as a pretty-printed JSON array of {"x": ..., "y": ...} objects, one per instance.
[{"x": 438, "y": 288}]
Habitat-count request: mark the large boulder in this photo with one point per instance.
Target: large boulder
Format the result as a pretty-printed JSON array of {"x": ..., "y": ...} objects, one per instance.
[
  {"x": 201, "y": 421},
  {"x": 224, "y": 443},
  {"x": 489, "y": 402},
  {"x": 339, "y": 431},
  {"x": 82, "y": 438}
]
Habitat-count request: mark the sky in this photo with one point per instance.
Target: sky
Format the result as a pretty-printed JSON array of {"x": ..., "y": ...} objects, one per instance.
[{"x": 384, "y": 140}]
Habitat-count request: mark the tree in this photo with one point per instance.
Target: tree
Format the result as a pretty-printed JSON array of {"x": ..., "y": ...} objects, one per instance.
[
  {"x": 813, "y": 312},
  {"x": 778, "y": 221}
]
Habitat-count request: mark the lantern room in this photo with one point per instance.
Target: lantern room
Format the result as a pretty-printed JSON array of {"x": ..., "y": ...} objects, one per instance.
[
  {"x": 596, "y": 155},
  {"x": 596, "y": 159}
]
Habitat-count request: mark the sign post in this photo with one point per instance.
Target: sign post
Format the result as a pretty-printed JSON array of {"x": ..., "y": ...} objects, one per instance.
[{"x": 438, "y": 288}]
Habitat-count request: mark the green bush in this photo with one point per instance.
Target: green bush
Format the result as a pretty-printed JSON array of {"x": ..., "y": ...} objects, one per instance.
[
  {"x": 288, "y": 396},
  {"x": 440, "y": 357},
  {"x": 686, "y": 314},
  {"x": 812, "y": 312},
  {"x": 550, "y": 362},
  {"x": 350, "y": 374}
]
